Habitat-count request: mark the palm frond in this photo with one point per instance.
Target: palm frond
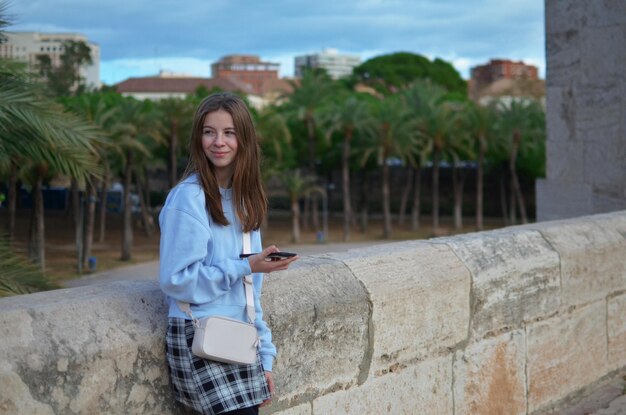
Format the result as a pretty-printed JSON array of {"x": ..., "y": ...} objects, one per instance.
[{"x": 18, "y": 275}]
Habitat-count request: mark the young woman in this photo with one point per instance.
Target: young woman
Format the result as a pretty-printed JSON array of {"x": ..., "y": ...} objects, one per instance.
[{"x": 202, "y": 225}]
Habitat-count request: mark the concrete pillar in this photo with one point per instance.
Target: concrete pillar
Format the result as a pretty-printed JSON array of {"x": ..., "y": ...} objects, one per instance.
[{"x": 586, "y": 109}]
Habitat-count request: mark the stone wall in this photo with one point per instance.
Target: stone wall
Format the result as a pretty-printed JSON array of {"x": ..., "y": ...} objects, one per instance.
[
  {"x": 586, "y": 109},
  {"x": 513, "y": 321}
]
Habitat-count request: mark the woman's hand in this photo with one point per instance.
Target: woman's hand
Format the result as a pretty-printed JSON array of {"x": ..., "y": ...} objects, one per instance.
[
  {"x": 260, "y": 262},
  {"x": 270, "y": 384}
]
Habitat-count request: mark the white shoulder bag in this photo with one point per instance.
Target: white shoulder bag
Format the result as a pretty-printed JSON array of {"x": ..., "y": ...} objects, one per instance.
[{"x": 225, "y": 339}]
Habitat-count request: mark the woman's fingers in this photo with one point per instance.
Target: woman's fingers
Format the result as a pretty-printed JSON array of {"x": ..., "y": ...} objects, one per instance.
[{"x": 261, "y": 262}]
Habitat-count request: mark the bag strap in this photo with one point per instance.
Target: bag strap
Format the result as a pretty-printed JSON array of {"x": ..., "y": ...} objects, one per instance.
[{"x": 247, "y": 284}]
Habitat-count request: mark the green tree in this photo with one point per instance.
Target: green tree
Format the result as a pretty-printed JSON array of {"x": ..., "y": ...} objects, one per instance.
[
  {"x": 437, "y": 121},
  {"x": 308, "y": 96},
  {"x": 93, "y": 108},
  {"x": 19, "y": 276},
  {"x": 135, "y": 125},
  {"x": 297, "y": 186},
  {"x": 65, "y": 78},
  {"x": 347, "y": 116},
  {"x": 34, "y": 132},
  {"x": 397, "y": 71},
  {"x": 37, "y": 133},
  {"x": 393, "y": 137},
  {"x": 522, "y": 129},
  {"x": 177, "y": 116},
  {"x": 276, "y": 141},
  {"x": 481, "y": 126}
]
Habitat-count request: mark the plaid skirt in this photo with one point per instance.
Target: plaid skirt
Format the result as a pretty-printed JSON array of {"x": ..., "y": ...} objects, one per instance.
[{"x": 207, "y": 386}]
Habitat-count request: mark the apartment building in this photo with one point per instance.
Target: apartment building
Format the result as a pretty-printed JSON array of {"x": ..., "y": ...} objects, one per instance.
[
  {"x": 176, "y": 85},
  {"x": 505, "y": 80},
  {"x": 337, "y": 65},
  {"x": 498, "y": 69},
  {"x": 248, "y": 70},
  {"x": 25, "y": 46}
]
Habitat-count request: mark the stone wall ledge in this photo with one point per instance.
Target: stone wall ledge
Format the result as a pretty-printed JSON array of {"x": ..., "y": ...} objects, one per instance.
[{"x": 519, "y": 318}]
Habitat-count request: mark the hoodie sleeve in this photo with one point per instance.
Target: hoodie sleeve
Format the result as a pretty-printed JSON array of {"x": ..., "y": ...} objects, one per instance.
[
  {"x": 267, "y": 349},
  {"x": 185, "y": 238}
]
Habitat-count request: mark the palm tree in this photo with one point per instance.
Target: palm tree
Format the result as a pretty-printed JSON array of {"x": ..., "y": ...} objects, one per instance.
[
  {"x": 19, "y": 276},
  {"x": 480, "y": 122},
  {"x": 94, "y": 109},
  {"x": 275, "y": 140},
  {"x": 177, "y": 114},
  {"x": 35, "y": 129},
  {"x": 521, "y": 125},
  {"x": 348, "y": 116},
  {"x": 297, "y": 186},
  {"x": 435, "y": 122},
  {"x": 308, "y": 95},
  {"x": 393, "y": 136},
  {"x": 133, "y": 122},
  {"x": 422, "y": 152}
]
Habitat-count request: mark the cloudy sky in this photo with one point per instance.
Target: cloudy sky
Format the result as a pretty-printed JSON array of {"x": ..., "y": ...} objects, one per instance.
[{"x": 141, "y": 37}]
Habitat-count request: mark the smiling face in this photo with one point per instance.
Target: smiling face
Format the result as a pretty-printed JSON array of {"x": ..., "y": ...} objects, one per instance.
[{"x": 219, "y": 143}]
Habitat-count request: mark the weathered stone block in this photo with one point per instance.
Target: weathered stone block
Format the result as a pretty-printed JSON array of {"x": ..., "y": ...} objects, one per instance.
[
  {"x": 569, "y": 166},
  {"x": 563, "y": 58},
  {"x": 565, "y": 353},
  {"x": 616, "y": 326},
  {"x": 79, "y": 350},
  {"x": 608, "y": 199},
  {"x": 16, "y": 397},
  {"x": 515, "y": 277},
  {"x": 319, "y": 315},
  {"x": 605, "y": 13},
  {"x": 561, "y": 125},
  {"x": 592, "y": 259},
  {"x": 614, "y": 221},
  {"x": 564, "y": 15},
  {"x": 558, "y": 200},
  {"x": 598, "y": 119},
  {"x": 421, "y": 389},
  {"x": 606, "y": 172},
  {"x": 602, "y": 48},
  {"x": 489, "y": 377},
  {"x": 304, "y": 409},
  {"x": 420, "y": 298}
]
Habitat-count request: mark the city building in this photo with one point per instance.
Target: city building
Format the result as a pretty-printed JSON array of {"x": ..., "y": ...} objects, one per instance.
[
  {"x": 175, "y": 85},
  {"x": 336, "y": 65},
  {"x": 246, "y": 70},
  {"x": 505, "y": 80},
  {"x": 172, "y": 85},
  {"x": 26, "y": 46},
  {"x": 498, "y": 69}
]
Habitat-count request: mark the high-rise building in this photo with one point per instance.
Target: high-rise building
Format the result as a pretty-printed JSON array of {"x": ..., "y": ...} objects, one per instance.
[
  {"x": 25, "y": 46},
  {"x": 246, "y": 69},
  {"x": 336, "y": 65}
]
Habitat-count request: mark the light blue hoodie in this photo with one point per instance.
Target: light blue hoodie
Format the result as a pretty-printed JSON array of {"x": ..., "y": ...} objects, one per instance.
[{"x": 200, "y": 265}]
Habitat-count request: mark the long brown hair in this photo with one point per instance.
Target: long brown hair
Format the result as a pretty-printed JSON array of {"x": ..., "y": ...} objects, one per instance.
[{"x": 249, "y": 198}]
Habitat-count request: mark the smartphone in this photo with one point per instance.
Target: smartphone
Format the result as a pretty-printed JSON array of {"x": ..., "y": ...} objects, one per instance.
[
  {"x": 281, "y": 255},
  {"x": 275, "y": 255}
]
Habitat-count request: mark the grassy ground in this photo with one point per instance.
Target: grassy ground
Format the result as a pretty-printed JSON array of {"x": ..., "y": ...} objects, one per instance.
[{"x": 61, "y": 249}]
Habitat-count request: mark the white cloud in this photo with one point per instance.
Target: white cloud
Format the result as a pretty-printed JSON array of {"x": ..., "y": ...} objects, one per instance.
[
  {"x": 463, "y": 65},
  {"x": 132, "y": 35}
]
